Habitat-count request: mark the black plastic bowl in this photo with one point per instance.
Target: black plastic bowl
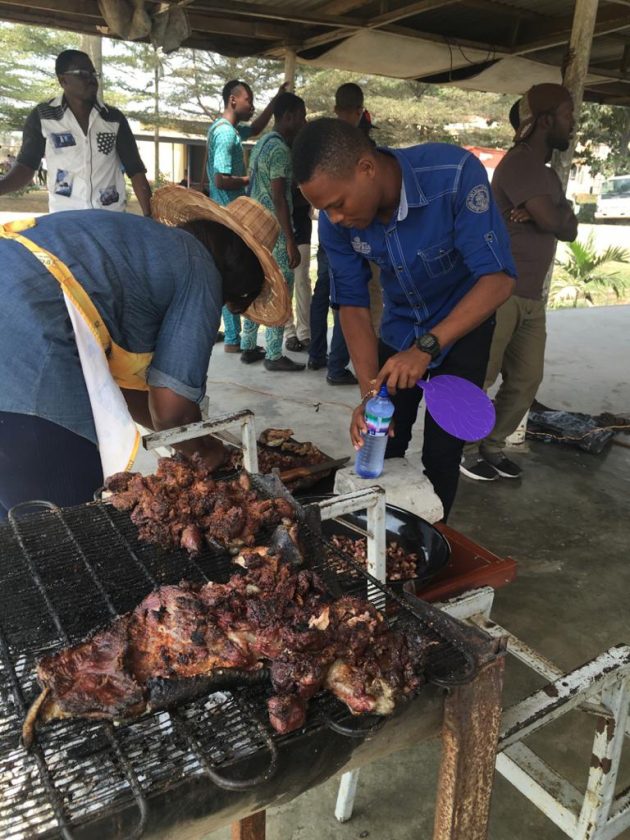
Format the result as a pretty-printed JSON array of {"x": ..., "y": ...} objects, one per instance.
[{"x": 414, "y": 534}]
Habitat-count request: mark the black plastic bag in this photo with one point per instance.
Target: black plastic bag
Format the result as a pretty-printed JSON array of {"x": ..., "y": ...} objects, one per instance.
[{"x": 569, "y": 428}]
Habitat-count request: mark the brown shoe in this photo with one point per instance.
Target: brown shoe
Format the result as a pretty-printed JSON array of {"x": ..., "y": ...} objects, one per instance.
[{"x": 232, "y": 348}]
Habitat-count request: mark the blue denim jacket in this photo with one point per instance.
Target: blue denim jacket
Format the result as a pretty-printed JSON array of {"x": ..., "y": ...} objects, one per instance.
[
  {"x": 445, "y": 235},
  {"x": 157, "y": 289}
]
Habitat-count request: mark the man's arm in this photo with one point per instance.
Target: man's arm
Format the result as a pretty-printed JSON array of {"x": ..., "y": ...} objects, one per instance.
[
  {"x": 142, "y": 189},
  {"x": 279, "y": 198},
  {"x": 404, "y": 369},
  {"x": 262, "y": 120},
  {"x": 18, "y": 178},
  {"x": 169, "y": 410},
  {"x": 231, "y": 182},
  {"x": 356, "y": 324},
  {"x": 558, "y": 219}
]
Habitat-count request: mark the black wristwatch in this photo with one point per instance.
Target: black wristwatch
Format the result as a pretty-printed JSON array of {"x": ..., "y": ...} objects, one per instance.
[{"x": 428, "y": 343}]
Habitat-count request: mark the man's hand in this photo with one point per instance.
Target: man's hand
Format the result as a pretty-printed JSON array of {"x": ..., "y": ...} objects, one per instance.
[
  {"x": 293, "y": 252},
  {"x": 213, "y": 452},
  {"x": 358, "y": 427},
  {"x": 403, "y": 369},
  {"x": 519, "y": 214}
]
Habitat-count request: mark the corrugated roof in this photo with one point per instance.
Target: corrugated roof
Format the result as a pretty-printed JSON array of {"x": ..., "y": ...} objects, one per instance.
[{"x": 501, "y": 45}]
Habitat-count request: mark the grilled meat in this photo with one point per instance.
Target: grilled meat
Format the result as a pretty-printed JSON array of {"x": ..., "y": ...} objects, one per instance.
[
  {"x": 276, "y": 450},
  {"x": 186, "y": 640},
  {"x": 182, "y": 506},
  {"x": 401, "y": 565}
]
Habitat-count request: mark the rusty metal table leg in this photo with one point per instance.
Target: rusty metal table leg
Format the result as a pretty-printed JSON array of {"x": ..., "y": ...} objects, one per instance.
[
  {"x": 472, "y": 715},
  {"x": 250, "y": 828}
]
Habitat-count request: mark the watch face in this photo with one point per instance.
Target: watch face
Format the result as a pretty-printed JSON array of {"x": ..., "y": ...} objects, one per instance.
[{"x": 429, "y": 344}]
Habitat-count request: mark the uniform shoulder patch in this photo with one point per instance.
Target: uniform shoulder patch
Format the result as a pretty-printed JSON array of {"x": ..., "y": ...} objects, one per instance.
[{"x": 478, "y": 199}]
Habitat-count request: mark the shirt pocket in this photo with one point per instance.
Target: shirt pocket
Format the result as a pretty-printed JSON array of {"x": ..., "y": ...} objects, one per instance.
[{"x": 439, "y": 259}]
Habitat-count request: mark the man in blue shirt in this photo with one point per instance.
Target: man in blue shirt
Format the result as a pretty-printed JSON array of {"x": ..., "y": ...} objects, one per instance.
[{"x": 426, "y": 216}]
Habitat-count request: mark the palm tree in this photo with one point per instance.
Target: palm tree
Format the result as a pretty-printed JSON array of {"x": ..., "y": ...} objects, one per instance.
[{"x": 582, "y": 276}]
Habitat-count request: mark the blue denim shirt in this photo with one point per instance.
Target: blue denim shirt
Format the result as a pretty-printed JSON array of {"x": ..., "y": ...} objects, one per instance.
[
  {"x": 157, "y": 289},
  {"x": 445, "y": 234}
]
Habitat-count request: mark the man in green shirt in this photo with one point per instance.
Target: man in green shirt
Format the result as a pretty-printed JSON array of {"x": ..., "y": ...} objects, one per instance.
[
  {"x": 270, "y": 180},
  {"x": 227, "y": 177}
]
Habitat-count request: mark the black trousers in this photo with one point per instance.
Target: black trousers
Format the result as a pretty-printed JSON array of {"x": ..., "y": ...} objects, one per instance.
[
  {"x": 42, "y": 460},
  {"x": 441, "y": 452}
]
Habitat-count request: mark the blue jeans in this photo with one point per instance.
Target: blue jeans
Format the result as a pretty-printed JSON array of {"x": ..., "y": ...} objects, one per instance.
[
  {"x": 232, "y": 325},
  {"x": 338, "y": 358}
]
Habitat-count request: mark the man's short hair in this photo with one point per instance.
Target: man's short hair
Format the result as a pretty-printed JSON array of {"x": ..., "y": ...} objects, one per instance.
[
  {"x": 67, "y": 59},
  {"x": 327, "y": 145},
  {"x": 514, "y": 117},
  {"x": 230, "y": 87},
  {"x": 287, "y": 103},
  {"x": 349, "y": 97}
]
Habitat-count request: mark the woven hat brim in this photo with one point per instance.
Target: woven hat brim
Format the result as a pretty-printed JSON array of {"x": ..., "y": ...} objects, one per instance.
[{"x": 174, "y": 205}]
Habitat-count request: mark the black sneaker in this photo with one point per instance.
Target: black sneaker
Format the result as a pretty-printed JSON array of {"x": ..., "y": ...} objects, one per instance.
[
  {"x": 503, "y": 465},
  {"x": 345, "y": 378},
  {"x": 317, "y": 364},
  {"x": 283, "y": 364},
  {"x": 248, "y": 357},
  {"x": 295, "y": 345},
  {"x": 478, "y": 469}
]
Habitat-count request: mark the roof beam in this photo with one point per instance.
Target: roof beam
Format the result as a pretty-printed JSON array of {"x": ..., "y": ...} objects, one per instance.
[
  {"x": 412, "y": 9},
  {"x": 611, "y": 19},
  {"x": 280, "y": 13},
  {"x": 70, "y": 7}
]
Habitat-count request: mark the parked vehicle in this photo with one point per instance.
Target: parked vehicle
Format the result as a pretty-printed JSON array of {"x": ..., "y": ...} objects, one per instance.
[{"x": 614, "y": 200}]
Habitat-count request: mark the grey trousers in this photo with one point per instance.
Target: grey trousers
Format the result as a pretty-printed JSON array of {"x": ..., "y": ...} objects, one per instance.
[
  {"x": 300, "y": 324},
  {"x": 517, "y": 353}
]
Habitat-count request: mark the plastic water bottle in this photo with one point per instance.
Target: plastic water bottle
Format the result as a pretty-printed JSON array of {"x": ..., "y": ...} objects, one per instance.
[{"x": 378, "y": 415}]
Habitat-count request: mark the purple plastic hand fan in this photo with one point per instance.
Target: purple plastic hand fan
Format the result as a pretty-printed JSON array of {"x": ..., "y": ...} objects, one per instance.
[{"x": 459, "y": 407}]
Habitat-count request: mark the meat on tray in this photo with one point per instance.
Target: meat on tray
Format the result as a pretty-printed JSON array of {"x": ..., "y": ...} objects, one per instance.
[
  {"x": 183, "y": 506},
  {"x": 276, "y": 450},
  {"x": 400, "y": 564},
  {"x": 272, "y": 619}
]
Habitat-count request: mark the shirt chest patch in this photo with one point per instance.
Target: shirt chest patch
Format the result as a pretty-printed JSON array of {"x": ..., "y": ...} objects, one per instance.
[
  {"x": 105, "y": 142},
  {"x": 478, "y": 199},
  {"x": 63, "y": 139},
  {"x": 363, "y": 248}
]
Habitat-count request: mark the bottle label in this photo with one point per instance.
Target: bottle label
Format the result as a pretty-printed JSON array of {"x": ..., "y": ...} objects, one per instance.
[{"x": 377, "y": 426}]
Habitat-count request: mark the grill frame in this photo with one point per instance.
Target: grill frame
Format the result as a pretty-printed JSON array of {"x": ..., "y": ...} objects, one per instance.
[{"x": 324, "y": 712}]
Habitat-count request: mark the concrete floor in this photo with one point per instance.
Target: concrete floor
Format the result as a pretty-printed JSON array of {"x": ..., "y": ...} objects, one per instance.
[{"x": 567, "y": 524}]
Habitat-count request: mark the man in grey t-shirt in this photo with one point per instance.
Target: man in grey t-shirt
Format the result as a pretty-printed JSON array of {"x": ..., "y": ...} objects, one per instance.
[{"x": 531, "y": 199}]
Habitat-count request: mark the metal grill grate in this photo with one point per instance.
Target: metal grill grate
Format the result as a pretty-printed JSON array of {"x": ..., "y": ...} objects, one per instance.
[{"x": 66, "y": 573}]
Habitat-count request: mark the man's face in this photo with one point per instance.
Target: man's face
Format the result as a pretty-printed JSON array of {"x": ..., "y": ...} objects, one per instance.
[
  {"x": 350, "y": 201},
  {"x": 295, "y": 122},
  {"x": 80, "y": 80},
  {"x": 561, "y": 127},
  {"x": 243, "y": 104}
]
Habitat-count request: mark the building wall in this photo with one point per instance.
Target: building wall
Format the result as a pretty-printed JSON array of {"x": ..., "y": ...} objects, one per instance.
[{"x": 173, "y": 160}]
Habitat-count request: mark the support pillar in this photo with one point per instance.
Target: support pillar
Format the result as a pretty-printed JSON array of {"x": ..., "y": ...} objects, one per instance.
[
  {"x": 289, "y": 68},
  {"x": 584, "y": 17}
]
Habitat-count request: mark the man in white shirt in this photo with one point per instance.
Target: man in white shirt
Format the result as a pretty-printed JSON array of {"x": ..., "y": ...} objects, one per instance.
[{"x": 88, "y": 146}]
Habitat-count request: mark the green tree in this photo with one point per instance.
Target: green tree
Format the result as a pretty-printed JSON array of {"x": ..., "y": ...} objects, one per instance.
[
  {"x": 605, "y": 125},
  {"x": 27, "y": 69},
  {"x": 581, "y": 276}
]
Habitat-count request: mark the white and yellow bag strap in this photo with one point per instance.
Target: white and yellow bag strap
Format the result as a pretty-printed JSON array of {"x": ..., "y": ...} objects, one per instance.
[{"x": 118, "y": 436}]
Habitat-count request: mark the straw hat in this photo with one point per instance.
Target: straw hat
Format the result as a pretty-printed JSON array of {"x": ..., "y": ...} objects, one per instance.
[{"x": 257, "y": 227}]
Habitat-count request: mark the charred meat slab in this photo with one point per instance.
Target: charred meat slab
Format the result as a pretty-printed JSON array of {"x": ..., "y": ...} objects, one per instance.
[{"x": 271, "y": 620}]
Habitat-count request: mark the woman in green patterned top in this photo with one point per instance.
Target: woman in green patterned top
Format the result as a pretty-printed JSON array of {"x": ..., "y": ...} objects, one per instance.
[{"x": 270, "y": 178}]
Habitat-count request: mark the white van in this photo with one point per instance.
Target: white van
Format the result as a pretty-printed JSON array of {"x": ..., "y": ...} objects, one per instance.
[{"x": 614, "y": 200}]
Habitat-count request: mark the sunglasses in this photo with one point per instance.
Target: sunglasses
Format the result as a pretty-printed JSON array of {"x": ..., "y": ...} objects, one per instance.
[{"x": 83, "y": 74}]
